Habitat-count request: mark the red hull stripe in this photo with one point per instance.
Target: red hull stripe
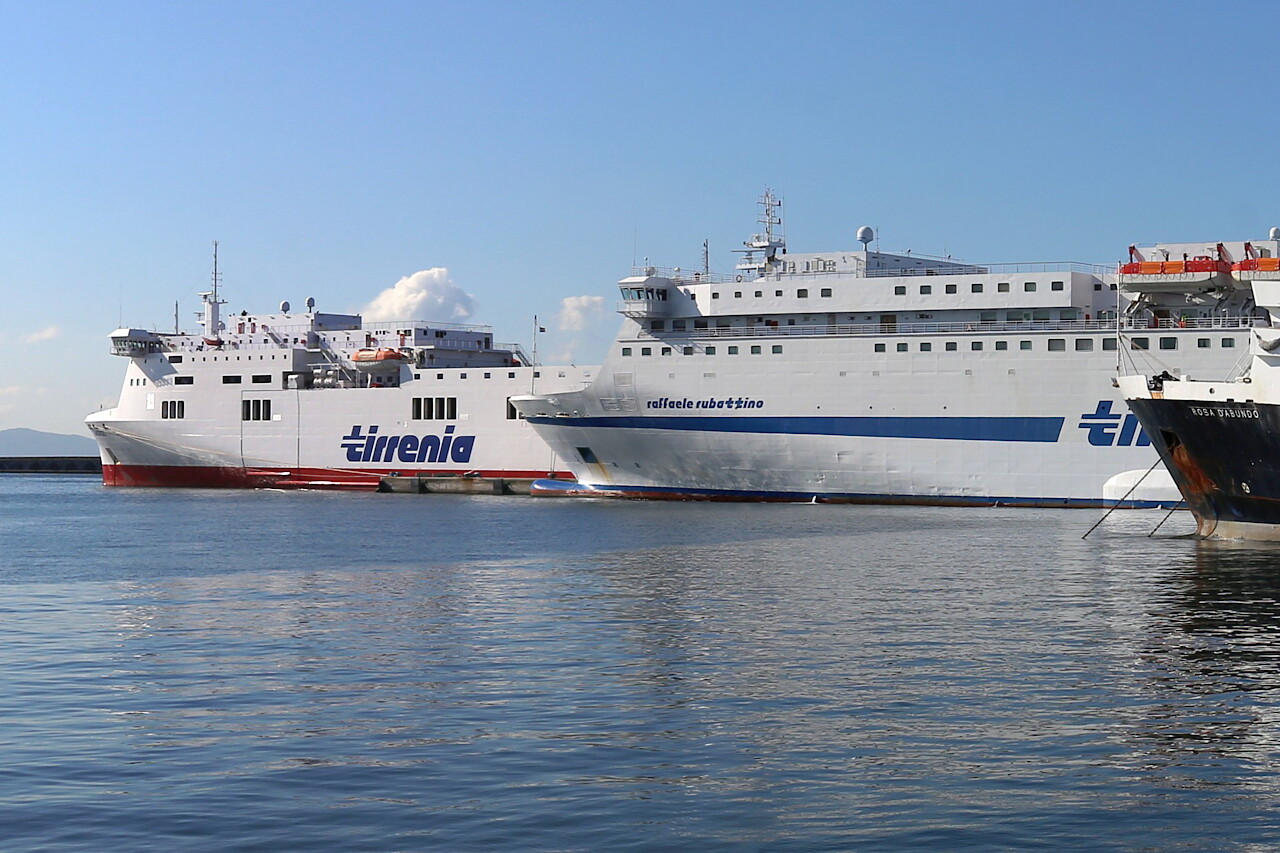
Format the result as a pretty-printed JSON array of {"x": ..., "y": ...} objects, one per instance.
[{"x": 212, "y": 477}]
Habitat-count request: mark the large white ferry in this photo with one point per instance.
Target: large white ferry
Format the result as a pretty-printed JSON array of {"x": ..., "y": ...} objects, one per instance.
[
  {"x": 868, "y": 376},
  {"x": 317, "y": 400}
]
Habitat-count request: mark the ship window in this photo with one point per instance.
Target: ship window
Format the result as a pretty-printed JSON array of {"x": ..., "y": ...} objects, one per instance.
[
  {"x": 951, "y": 346},
  {"x": 1139, "y": 343},
  {"x": 879, "y": 347},
  {"x": 976, "y": 287},
  {"x": 1068, "y": 314},
  {"x": 678, "y": 325},
  {"x": 666, "y": 350},
  {"x": 626, "y": 351},
  {"x": 825, "y": 292},
  {"x": 657, "y": 325},
  {"x": 1029, "y": 286},
  {"x": 699, "y": 324},
  {"x": 711, "y": 350},
  {"x": 1169, "y": 343},
  {"x": 1097, "y": 285},
  {"x": 488, "y": 376},
  {"x": 755, "y": 350},
  {"x": 779, "y": 293},
  {"x": 1084, "y": 344},
  {"x": 1024, "y": 345},
  {"x": 181, "y": 406},
  {"x": 1228, "y": 343},
  {"x": 183, "y": 380},
  {"x": 951, "y": 288},
  {"x": 261, "y": 378},
  {"x": 987, "y": 317},
  {"x": 231, "y": 380},
  {"x": 737, "y": 294},
  {"x": 511, "y": 374},
  {"x": 688, "y": 350},
  {"x": 1002, "y": 345},
  {"x": 715, "y": 295},
  {"x": 733, "y": 350},
  {"x": 175, "y": 359},
  {"x": 439, "y": 376},
  {"x": 925, "y": 346},
  {"x": 900, "y": 290},
  {"x": 1040, "y": 316},
  {"x": 926, "y": 289},
  {"x": 646, "y": 350},
  {"x": 1057, "y": 344},
  {"x": 777, "y": 349},
  {"x": 1055, "y": 285},
  {"x": 802, "y": 293},
  {"x": 975, "y": 345},
  {"x": 1109, "y": 344},
  {"x": 1002, "y": 287},
  {"x": 255, "y": 410},
  {"x": 1202, "y": 343}
]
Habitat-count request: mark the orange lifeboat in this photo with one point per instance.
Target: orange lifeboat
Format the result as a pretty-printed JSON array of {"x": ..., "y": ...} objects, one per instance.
[
  {"x": 379, "y": 360},
  {"x": 1188, "y": 275}
]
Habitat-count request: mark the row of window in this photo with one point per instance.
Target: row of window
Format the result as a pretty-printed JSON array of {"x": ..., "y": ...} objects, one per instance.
[
  {"x": 1060, "y": 344},
  {"x": 255, "y": 410},
  {"x": 756, "y": 349},
  {"x": 801, "y": 293},
  {"x": 258, "y": 378},
  {"x": 435, "y": 408},
  {"x": 977, "y": 286},
  {"x": 170, "y": 409}
]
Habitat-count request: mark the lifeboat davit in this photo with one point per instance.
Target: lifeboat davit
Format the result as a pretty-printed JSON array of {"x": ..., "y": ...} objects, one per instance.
[
  {"x": 1190, "y": 275},
  {"x": 379, "y": 360}
]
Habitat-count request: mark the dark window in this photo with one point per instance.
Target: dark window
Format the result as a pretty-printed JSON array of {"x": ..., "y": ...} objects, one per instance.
[
  {"x": 231, "y": 380},
  {"x": 826, "y": 291},
  {"x": 184, "y": 380},
  {"x": 951, "y": 288},
  {"x": 261, "y": 378},
  {"x": 175, "y": 359}
]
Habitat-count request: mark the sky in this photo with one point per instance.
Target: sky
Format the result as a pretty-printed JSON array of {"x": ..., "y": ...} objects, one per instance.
[{"x": 495, "y": 161}]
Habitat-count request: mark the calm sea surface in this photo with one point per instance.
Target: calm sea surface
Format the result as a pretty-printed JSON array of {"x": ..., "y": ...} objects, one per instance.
[{"x": 203, "y": 670}]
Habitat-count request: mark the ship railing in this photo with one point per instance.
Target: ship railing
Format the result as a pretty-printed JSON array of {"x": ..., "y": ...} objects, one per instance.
[
  {"x": 678, "y": 275},
  {"x": 998, "y": 269},
  {"x": 933, "y": 328}
]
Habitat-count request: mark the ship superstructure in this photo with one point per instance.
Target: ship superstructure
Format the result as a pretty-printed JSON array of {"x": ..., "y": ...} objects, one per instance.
[
  {"x": 862, "y": 375},
  {"x": 315, "y": 399}
]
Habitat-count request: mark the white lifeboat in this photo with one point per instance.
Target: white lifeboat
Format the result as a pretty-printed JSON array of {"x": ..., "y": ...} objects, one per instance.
[{"x": 383, "y": 360}]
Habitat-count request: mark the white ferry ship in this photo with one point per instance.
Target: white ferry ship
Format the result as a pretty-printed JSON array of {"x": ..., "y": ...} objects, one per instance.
[
  {"x": 318, "y": 400},
  {"x": 875, "y": 377}
]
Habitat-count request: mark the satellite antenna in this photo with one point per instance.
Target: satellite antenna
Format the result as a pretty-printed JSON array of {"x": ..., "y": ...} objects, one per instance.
[
  {"x": 865, "y": 235},
  {"x": 284, "y": 307},
  {"x": 311, "y": 303},
  {"x": 1275, "y": 233}
]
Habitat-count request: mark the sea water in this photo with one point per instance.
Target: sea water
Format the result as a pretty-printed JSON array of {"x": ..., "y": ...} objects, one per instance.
[{"x": 219, "y": 670}]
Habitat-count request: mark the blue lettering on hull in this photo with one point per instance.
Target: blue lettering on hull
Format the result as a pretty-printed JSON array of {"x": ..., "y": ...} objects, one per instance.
[{"x": 409, "y": 449}]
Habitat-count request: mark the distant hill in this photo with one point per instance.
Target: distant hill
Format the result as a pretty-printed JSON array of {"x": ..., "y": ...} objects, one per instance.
[{"x": 30, "y": 442}]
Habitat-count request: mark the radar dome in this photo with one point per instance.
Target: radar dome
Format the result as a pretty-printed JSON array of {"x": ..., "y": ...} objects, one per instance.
[
  {"x": 311, "y": 302},
  {"x": 284, "y": 307},
  {"x": 1275, "y": 234},
  {"x": 866, "y": 235}
]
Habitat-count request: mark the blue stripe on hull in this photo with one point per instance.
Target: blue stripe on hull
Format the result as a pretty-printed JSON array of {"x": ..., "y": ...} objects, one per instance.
[
  {"x": 956, "y": 429},
  {"x": 545, "y": 488}
]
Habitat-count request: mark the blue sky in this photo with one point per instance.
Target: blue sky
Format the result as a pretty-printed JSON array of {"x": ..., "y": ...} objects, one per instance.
[{"x": 535, "y": 149}]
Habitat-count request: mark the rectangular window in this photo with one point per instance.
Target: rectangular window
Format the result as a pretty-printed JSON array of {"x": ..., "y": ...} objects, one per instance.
[
  {"x": 1055, "y": 285},
  {"x": 825, "y": 292},
  {"x": 1002, "y": 345},
  {"x": 925, "y": 346},
  {"x": 951, "y": 288},
  {"x": 1084, "y": 344},
  {"x": 733, "y": 350},
  {"x": 926, "y": 289},
  {"x": 902, "y": 347},
  {"x": 1057, "y": 344},
  {"x": 951, "y": 346},
  {"x": 626, "y": 351},
  {"x": 802, "y": 293},
  {"x": 1228, "y": 343},
  {"x": 231, "y": 380},
  {"x": 699, "y": 324},
  {"x": 777, "y": 349},
  {"x": 1202, "y": 343},
  {"x": 1029, "y": 286},
  {"x": 879, "y": 347},
  {"x": 657, "y": 325},
  {"x": 262, "y": 378},
  {"x": 900, "y": 290},
  {"x": 715, "y": 295},
  {"x": 666, "y": 350},
  {"x": 175, "y": 359},
  {"x": 678, "y": 325},
  {"x": 646, "y": 350},
  {"x": 759, "y": 293},
  {"x": 755, "y": 349},
  {"x": 737, "y": 294},
  {"x": 1169, "y": 343},
  {"x": 1002, "y": 287},
  {"x": 976, "y": 346},
  {"x": 711, "y": 350},
  {"x": 976, "y": 287},
  {"x": 688, "y": 350},
  {"x": 1109, "y": 344},
  {"x": 184, "y": 380},
  {"x": 1024, "y": 345},
  {"x": 1139, "y": 343}
]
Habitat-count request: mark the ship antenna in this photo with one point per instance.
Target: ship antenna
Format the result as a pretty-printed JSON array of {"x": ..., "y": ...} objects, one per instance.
[
  {"x": 215, "y": 270},
  {"x": 706, "y": 257}
]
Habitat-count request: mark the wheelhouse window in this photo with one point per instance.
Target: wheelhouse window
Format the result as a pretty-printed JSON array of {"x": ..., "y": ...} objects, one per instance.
[
  {"x": 435, "y": 408},
  {"x": 255, "y": 410}
]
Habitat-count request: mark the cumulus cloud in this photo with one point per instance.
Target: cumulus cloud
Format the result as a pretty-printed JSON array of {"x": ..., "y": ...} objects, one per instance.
[
  {"x": 425, "y": 295},
  {"x": 578, "y": 312},
  {"x": 45, "y": 334}
]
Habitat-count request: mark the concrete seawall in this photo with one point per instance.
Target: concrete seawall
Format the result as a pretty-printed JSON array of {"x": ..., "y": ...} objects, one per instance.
[{"x": 50, "y": 465}]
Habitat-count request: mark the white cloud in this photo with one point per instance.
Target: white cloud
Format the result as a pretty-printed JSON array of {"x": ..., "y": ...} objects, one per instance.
[
  {"x": 425, "y": 295},
  {"x": 578, "y": 312},
  {"x": 45, "y": 334},
  {"x": 11, "y": 389}
]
